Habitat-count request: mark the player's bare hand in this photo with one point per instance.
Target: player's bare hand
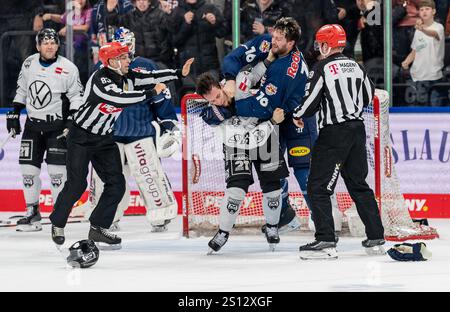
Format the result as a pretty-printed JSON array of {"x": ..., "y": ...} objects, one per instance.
[
  {"x": 278, "y": 115},
  {"x": 159, "y": 87},
  {"x": 230, "y": 88},
  {"x": 187, "y": 67},
  {"x": 299, "y": 123},
  {"x": 211, "y": 18},
  {"x": 405, "y": 65},
  {"x": 188, "y": 17}
]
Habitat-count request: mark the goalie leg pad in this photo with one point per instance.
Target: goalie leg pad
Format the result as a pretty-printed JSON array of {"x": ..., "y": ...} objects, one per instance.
[
  {"x": 229, "y": 207},
  {"x": 153, "y": 184}
]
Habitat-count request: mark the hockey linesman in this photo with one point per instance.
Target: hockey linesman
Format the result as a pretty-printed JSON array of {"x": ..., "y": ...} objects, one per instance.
[
  {"x": 145, "y": 132},
  {"x": 90, "y": 139},
  {"x": 283, "y": 86},
  {"x": 338, "y": 89},
  {"x": 259, "y": 147},
  {"x": 49, "y": 88}
]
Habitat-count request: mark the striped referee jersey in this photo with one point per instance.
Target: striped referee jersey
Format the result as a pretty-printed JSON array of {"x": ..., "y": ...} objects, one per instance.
[
  {"x": 338, "y": 88},
  {"x": 108, "y": 93}
]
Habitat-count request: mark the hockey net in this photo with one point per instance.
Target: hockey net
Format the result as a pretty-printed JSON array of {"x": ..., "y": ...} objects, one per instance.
[{"x": 204, "y": 179}]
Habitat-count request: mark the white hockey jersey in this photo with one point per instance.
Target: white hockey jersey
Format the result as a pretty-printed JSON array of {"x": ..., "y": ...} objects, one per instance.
[
  {"x": 246, "y": 132},
  {"x": 45, "y": 90}
]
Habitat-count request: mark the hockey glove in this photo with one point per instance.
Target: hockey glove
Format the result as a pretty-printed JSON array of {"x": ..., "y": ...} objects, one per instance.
[
  {"x": 214, "y": 115},
  {"x": 13, "y": 123},
  {"x": 409, "y": 252},
  {"x": 168, "y": 138}
]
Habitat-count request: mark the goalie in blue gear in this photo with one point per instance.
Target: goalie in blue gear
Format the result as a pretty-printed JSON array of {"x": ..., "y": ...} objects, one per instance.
[
  {"x": 283, "y": 86},
  {"x": 145, "y": 133}
]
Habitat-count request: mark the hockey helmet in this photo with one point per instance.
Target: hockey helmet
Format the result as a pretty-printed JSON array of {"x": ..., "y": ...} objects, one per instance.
[
  {"x": 126, "y": 36},
  {"x": 333, "y": 35},
  {"x": 83, "y": 254},
  {"x": 47, "y": 34},
  {"x": 112, "y": 50}
]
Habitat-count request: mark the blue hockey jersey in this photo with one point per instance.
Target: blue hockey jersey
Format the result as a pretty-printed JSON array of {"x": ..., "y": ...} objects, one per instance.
[{"x": 283, "y": 85}]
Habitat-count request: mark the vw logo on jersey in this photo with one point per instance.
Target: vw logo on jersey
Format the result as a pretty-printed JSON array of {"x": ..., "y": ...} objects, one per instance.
[{"x": 40, "y": 94}]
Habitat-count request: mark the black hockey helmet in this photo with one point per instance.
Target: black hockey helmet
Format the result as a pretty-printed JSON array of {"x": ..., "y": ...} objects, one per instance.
[
  {"x": 47, "y": 34},
  {"x": 83, "y": 254}
]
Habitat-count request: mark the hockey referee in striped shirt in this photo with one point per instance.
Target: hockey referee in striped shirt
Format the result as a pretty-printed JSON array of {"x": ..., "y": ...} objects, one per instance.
[
  {"x": 90, "y": 138},
  {"x": 338, "y": 89}
]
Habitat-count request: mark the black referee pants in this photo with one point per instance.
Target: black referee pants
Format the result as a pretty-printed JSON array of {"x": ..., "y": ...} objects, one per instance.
[
  {"x": 82, "y": 148},
  {"x": 341, "y": 149}
]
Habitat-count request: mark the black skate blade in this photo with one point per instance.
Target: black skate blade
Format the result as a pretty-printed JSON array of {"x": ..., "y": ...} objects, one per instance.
[{"x": 105, "y": 246}]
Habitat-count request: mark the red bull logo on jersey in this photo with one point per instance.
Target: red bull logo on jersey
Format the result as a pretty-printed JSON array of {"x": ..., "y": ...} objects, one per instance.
[
  {"x": 265, "y": 46},
  {"x": 109, "y": 109},
  {"x": 293, "y": 69},
  {"x": 271, "y": 89}
]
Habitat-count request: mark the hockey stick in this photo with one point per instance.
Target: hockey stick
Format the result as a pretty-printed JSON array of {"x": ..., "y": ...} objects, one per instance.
[
  {"x": 10, "y": 135},
  {"x": 5, "y": 224}
]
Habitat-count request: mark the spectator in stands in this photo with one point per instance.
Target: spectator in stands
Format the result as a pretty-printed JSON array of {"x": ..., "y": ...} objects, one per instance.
[
  {"x": 405, "y": 14},
  {"x": 311, "y": 15},
  {"x": 196, "y": 25},
  {"x": 259, "y": 16},
  {"x": 427, "y": 55},
  {"x": 349, "y": 15},
  {"x": 372, "y": 39},
  {"x": 17, "y": 15},
  {"x": 100, "y": 31},
  {"x": 81, "y": 21},
  {"x": 150, "y": 26},
  {"x": 442, "y": 10}
]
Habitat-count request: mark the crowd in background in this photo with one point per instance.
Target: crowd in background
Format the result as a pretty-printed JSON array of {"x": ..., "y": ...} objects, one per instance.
[{"x": 170, "y": 32}]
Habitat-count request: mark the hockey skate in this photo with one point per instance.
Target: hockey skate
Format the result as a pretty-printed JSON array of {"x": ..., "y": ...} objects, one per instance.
[
  {"x": 32, "y": 220},
  {"x": 272, "y": 236},
  {"x": 218, "y": 241},
  {"x": 374, "y": 247},
  {"x": 157, "y": 228},
  {"x": 58, "y": 236},
  {"x": 318, "y": 250},
  {"x": 104, "y": 239},
  {"x": 291, "y": 226}
]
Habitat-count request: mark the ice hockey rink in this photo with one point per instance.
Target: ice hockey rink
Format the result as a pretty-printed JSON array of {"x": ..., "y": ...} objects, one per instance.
[{"x": 168, "y": 262}]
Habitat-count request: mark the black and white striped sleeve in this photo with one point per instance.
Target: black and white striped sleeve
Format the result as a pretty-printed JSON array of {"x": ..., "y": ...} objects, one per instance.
[
  {"x": 368, "y": 89},
  {"x": 111, "y": 94},
  {"x": 313, "y": 95},
  {"x": 147, "y": 78}
]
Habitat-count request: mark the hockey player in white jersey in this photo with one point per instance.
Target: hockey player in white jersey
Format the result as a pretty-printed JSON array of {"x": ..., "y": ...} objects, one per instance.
[
  {"x": 244, "y": 139},
  {"x": 50, "y": 89}
]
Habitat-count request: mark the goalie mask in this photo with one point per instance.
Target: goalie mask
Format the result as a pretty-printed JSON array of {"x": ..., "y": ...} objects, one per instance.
[
  {"x": 168, "y": 137},
  {"x": 125, "y": 36},
  {"x": 83, "y": 254}
]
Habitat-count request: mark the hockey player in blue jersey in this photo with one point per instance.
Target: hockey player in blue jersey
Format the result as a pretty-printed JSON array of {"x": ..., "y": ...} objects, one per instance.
[
  {"x": 283, "y": 86},
  {"x": 145, "y": 133}
]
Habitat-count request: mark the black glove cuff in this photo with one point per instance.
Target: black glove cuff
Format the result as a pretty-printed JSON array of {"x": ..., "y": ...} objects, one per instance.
[{"x": 17, "y": 107}]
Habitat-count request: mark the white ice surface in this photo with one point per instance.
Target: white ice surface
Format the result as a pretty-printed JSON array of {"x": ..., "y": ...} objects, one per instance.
[{"x": 169, "y": 262}]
